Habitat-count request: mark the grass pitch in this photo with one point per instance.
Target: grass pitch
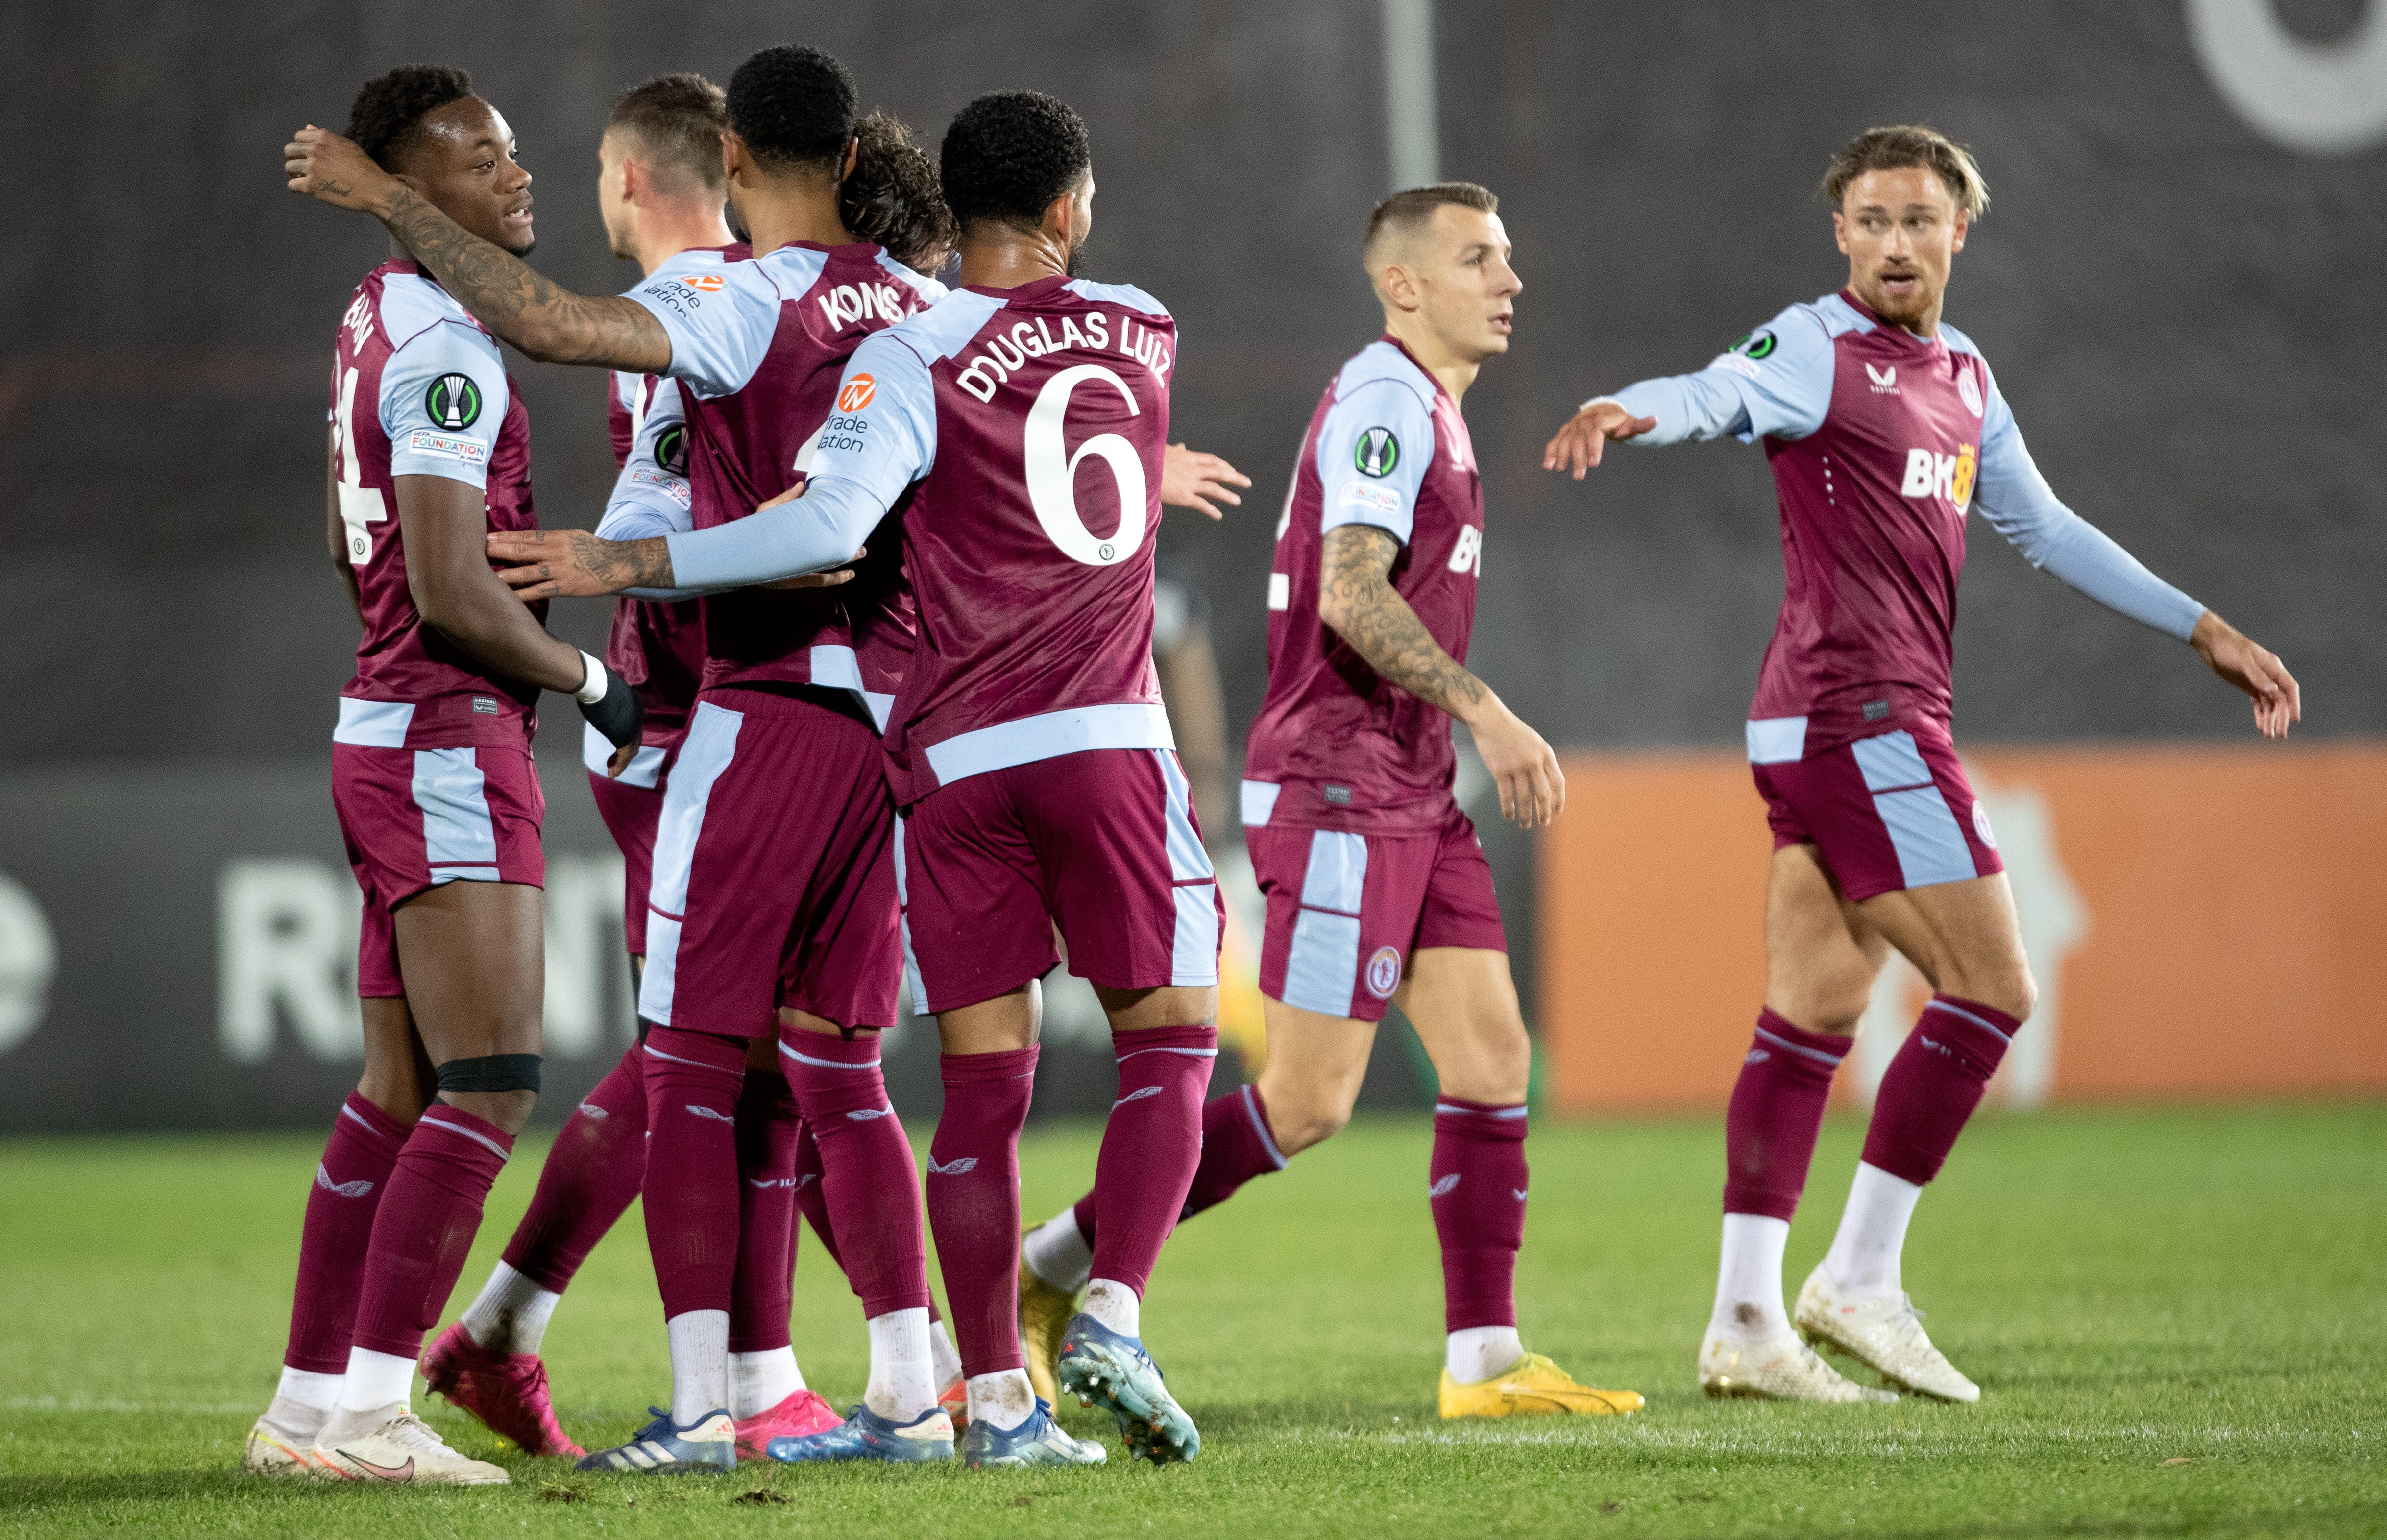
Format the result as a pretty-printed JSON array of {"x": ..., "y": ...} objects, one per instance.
[{"x": 2179, "y": 1318}]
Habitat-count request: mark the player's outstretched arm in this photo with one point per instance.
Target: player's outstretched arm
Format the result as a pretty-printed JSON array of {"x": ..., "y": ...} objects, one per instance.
[
  {"x": 1190, "y": 478},
  {"x": 549, "y": 563},
  {"x": 1357, "y": 599},
  {"x": 1577, "y": 445},
  {"x": 548, "y": 324},
  {"x": 2252, "y": 668}
]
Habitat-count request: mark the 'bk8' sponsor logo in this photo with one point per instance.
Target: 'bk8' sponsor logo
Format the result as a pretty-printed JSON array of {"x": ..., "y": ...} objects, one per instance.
[{"x": 1931, "y": 474}]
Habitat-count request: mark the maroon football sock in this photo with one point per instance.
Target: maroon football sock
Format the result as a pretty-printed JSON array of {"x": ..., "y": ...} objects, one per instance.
[
  {"x": 1237, "y": 1144},
  {"x": 809, "y": 1201},
  {"x": 1150, "y": 1146},
  {"x": 1933, "y": 1085},
  {"x": 869, "y": 1185},
  {"x": 1477, "y": 1192},
  {"x": 693, "y": 1082},
  {"x": 428, "y": 1217},
  {"x": 350, "y": 1182},
  {"x": 763, "y": 1281},
  {"x": 592, "y": 1174},
  {"x": 1777, "y": 1105},
  {"x": 974, "y": 1201}
]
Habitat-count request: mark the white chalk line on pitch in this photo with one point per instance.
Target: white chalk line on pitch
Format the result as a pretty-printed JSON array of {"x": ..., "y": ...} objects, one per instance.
[{"x": 181, "y": 1409}]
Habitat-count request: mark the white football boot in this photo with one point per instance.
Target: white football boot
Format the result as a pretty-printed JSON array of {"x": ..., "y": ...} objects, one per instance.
[
  {"x": 393, "y": 1444},
  {"x": 1778, "y": 1368},
  {"x": 282, "y": 1442},
  {"x": 1884, "y": 1333}
]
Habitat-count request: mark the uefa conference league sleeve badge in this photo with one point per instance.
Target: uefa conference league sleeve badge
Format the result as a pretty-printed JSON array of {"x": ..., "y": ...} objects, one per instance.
[
  {"x": 1377, "y": 453},
  {"x": 453, "y": 401}
]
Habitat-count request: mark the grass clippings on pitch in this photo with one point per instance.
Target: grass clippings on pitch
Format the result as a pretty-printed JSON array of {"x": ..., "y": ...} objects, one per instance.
[{"x": 2179, "y": 1318}]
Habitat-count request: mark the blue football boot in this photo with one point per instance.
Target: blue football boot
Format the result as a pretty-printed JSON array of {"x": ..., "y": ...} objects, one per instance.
[
  {"x": 1037, "y": 1441},
  {"x": 1105, "y": 1369},
  {"x": 707, "y": 1446},
  {"x": 866, "y": 1435}
]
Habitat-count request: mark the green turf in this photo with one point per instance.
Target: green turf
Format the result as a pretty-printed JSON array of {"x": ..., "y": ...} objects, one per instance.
[{"x": 2179, "y": 1318}]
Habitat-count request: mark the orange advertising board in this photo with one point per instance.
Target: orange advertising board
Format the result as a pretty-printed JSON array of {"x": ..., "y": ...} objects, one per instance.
[{"x": 2203, "y": 922}]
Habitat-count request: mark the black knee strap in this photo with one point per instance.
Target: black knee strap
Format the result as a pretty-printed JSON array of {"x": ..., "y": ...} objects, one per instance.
[{"x": 491, "y": 1072}]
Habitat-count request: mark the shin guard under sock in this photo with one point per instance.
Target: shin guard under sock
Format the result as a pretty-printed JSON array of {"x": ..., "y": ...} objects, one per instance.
[
  {"x": 764, "y": 1278},
  {"x": 1237, "y": 1144},
  {"x": 1933, "y": 1085},
  {"x": 1776, "y": 1109},
  {"x": 973, "y": 1201},
  {"x": 1150, "y": 1146},
  {"x": 350, "y": 1182},
  {"x": 693, "y": 1082},
  {"x": 867, "y": 1172},
  {"x": 592, "y": 1172},
  {"x": 1477, "y": 1190},
  {"x": 425, "y": 1226}
]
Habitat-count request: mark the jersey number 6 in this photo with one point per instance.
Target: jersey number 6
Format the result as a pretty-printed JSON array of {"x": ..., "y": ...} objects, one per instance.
[{"x": 1052, "y": 473}]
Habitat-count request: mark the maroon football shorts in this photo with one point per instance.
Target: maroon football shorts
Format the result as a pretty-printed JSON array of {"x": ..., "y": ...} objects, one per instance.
[
  {"x": 415, "y": 818},
  {"x": 773, "y": 877},
  {"x": 1102, "y": 842},
  {"x": 631, "y": 805},
  {"x": 1346, "y": 912},
  {"x": 1885, "y": 812}
]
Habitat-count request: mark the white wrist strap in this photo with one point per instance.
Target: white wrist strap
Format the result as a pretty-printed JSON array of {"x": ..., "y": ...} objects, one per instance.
[{"x": 592, "y": 683}]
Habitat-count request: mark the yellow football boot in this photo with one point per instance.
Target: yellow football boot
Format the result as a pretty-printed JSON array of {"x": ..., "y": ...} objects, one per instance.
[
  {"x": 1045, "y": 1312},
  {"x": 1533, "y": 1386}
]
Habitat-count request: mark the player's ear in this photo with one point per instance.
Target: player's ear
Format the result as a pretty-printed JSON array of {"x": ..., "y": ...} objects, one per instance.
[
  {"x": 733, "y": 153},
  {"x": 1060, "y": 219},
  {"x": 852, "y": 154},
  {"x": 1963, "y": 225},
  {"x": 1840, "y": 230}
]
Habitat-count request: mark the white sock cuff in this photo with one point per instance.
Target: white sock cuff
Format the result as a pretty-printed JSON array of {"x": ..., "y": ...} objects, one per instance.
[
  {"x": 309, "y": 1388},
  {"x": 1058, "y": 1252},
  {"x": 1475, "y": 1354},
  {"x": 375, "y": 1380},
  {"x": 760, "y": 1381}
]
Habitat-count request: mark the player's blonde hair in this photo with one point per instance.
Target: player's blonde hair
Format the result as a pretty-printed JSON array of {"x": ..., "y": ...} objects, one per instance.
[
  {"x": 1406, "y": 211},
  {"x": 1904, "y": 144}
]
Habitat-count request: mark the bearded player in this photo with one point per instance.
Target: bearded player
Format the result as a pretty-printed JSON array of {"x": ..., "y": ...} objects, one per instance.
[
  {"x": 1884, "y": 426},
  {"x": 1021, "y": 423},
  {"x": 438, "y": 802},
  {"x": 1377, "y": 890}
]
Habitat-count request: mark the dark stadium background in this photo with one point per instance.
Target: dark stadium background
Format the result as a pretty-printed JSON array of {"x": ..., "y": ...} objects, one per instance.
[{"x": 2191, "y": 322}]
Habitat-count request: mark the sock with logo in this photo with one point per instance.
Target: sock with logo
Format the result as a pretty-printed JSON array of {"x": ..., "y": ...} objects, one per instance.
[
  {"x": 809, "y": 1200},
  {"x": 1776, "y": 1109},
  {"x": 973, "y": 1202},
  {"x": 424, "y": 1230},
  {"x": 350, "y": 1182},
  {"x": 1150, "y": 1146},
  {"x": 1476, "y": 1188},
  {"x": 765, "y": 1136},
  {"x": 1933, "y": 1084},
  {"x": 866, "y": 1171},
  {"x": 691, "y": 1189},
  {"x": 1237, "y": 1144},
  {"x": 592, "y": 1172},
  {"x": 1863, "y": 1261}
]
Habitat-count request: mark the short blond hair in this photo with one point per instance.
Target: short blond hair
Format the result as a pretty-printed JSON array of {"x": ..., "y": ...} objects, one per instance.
[
  {"x": 1405, "y": 212},
  {"x": 1899, "y": 146}
]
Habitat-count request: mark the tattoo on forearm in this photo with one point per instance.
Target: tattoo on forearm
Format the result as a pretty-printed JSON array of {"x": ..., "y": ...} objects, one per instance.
[
  {"x": 504, "y": 291},
  {"x": 1381, "y": 627},
  {"x": 624, "y": 564}
]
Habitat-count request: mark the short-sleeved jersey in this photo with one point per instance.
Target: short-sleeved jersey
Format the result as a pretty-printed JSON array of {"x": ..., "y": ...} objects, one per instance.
[
  {"x": 757, "y": 347},
  {"x": 659, "y": 648},
  {"x": 1030, "y": 425},
  {"x": 418, "y": 388},
  {"x": 1336, "y": 745}
]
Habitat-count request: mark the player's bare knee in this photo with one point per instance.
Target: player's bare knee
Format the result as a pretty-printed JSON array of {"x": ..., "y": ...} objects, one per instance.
[{"x": 1307, "y": 1123}]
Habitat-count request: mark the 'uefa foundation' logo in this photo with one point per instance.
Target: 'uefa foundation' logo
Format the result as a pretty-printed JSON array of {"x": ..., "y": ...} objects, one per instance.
[
  {"x": 1981, "y": 825},
  {"x": 1385, "y": 972}
]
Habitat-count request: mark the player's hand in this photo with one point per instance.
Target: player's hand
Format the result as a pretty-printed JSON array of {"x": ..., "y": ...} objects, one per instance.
[
  {"x": 811, "y": 579},
  {"x": 324, "y": 166},
  {"x": 551, "y": 564},
  {"x": 1190, "y": 478},
  {"x": 2252, "y": 668},
  {"x": 1533, "y": 788},
  {"x": 620, "y": 761},
  {"x": 1578, "y": 444}
]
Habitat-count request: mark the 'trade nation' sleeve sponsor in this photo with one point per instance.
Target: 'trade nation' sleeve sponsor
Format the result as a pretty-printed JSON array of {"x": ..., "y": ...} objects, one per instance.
[{"x": 720, "y": 320}]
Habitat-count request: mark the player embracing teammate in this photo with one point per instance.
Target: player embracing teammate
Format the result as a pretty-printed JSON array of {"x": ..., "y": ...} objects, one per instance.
[
  {"x": 1026, "y": 746},
  {"x": 1885, "y": 428},
  {"x": 438, "y": 801}
]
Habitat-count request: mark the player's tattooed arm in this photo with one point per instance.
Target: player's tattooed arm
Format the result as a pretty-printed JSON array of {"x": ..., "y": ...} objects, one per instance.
[
  {"x": 550, "y": 563},
  {"x": 1357, "y": 599},
  {"x": 547, "y": 323}
]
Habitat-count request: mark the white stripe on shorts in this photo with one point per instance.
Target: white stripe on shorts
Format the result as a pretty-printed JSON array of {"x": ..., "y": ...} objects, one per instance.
[
  {"x": 596, "y": 751},
  {"x": 920, "y": 1005},
  {"x": 459, "y": 840},
  {"x": 711, "y": 745},
  {"x": 1194, "y": 954},
  {"x": 1321, "y": 967},
  {"x": 374, "y": 723}
]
